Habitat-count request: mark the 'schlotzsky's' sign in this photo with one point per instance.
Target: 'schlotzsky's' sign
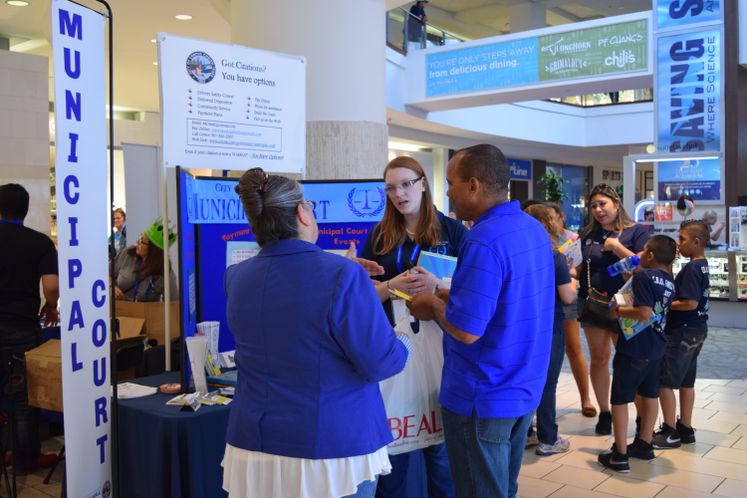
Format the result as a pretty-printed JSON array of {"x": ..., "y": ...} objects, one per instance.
[{"x": 82, "y": 213}]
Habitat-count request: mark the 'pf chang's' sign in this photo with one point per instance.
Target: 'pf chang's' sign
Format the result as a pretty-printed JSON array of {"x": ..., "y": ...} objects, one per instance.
[{"x": 678, "y": 13}]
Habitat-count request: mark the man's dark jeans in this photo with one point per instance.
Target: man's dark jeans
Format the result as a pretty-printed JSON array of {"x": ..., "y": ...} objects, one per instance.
[{"x": 14, "y": 342}]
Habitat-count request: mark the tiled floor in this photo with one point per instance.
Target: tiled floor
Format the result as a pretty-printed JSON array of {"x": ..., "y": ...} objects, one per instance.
[{"x": 715, "y": 466}]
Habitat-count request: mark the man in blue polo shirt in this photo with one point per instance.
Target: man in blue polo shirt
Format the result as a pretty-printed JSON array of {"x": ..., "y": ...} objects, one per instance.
[{"x": 499, "y": 327}]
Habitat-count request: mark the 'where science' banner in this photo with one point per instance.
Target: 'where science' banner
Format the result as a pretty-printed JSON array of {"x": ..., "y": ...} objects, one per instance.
[
  {"x": 82, "y": 214},
  {"x": 231, "y": 107},
  {"x": 688, "y": 92},
  {"x": 601, "y": 50}
]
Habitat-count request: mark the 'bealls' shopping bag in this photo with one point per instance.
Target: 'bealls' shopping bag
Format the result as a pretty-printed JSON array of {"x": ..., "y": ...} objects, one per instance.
[{"x": 411, "y": 396}]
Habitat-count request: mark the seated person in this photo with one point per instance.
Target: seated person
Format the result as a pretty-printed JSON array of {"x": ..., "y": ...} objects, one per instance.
[{"x": 138, "y": 270}]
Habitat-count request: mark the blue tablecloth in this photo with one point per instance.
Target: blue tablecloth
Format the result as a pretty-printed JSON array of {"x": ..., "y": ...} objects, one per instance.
[{"x": 164, "y": 452}]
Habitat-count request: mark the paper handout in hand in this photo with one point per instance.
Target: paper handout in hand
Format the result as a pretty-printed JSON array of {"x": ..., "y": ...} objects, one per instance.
[
  {"x": 571, "y": 249},
  {"x": 442, "y": 266}
]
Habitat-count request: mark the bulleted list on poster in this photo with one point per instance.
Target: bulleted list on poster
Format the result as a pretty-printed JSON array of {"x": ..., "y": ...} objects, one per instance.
[{"x": 231, "y": 107}]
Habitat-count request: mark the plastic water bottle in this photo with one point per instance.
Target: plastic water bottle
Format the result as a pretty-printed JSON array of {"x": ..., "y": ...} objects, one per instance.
[{"x": 623, "y": 265}]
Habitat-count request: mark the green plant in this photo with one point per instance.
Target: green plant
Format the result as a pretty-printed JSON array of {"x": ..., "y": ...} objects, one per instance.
[{"x": 553, "y": 185}]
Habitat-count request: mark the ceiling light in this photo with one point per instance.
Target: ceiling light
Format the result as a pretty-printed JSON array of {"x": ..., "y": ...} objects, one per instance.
[
  {"x": 183, "y": 17},
  {"x": 17, "y": 3},
  {"x": 404, "y": 146},
  {"x": 650, "y": 148},
  {"x": 153, "y": 40},
  {"x": 155, "y": 63}
]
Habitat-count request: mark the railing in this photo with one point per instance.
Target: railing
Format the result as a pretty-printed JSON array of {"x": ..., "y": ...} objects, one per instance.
[
  {"x": 405, "y": 32},
  {"x": 608, "y": 98}
]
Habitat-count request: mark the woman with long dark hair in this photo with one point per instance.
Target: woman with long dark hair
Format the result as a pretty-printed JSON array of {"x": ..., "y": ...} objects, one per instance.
[
  {"x": 411, "y": 224},
  {"x": 138, "y": 270},
  {"x": 609, "y": 237}
]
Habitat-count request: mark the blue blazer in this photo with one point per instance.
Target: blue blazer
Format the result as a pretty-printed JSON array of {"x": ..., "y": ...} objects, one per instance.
[{"x": 312, "y": 343}]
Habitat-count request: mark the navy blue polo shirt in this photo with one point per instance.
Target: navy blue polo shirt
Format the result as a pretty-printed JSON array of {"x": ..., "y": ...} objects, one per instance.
[
  {"x": 655, "y": 289},
  {"x": 503, "y": 290},
  {"x": 592, "y": 244},
  {"x": 692, "y": 283}
]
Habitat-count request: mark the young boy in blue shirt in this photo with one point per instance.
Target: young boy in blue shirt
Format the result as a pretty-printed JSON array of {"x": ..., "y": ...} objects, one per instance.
[
  {"x": 635, "y": 368},
  {"x": 687, "y": 327}
]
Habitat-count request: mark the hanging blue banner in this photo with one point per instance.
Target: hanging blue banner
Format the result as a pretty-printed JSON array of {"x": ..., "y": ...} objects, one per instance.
[
  {"x": 688, "y": 92},
  {"x": 679, "y": 13},
  {"x": 479, "y": 68}
]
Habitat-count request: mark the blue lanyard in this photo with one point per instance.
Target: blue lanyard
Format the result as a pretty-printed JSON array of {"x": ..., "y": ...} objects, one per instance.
[
  {"x": 413, "y": 258},
  {"x": 15, "y": 222}
]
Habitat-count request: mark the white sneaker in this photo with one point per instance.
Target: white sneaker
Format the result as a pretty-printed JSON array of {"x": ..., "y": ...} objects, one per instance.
[{"x": 561, "y": 446}]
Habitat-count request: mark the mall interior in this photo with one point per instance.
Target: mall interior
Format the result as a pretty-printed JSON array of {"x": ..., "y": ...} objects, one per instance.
[{"x": 373, "y": 93}]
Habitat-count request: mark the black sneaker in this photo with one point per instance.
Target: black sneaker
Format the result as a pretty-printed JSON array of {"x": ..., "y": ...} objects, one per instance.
[
  {"x": 666, "y": 437},
  {"x": 687, "y": 434},
  {"x": 641, "y": 450},
  {"x": 604, "y": 425},
  {"x": 612, "y": 459}
]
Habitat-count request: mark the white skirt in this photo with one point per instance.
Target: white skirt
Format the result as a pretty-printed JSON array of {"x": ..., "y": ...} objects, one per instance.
[{"x": 253, "y": 474}]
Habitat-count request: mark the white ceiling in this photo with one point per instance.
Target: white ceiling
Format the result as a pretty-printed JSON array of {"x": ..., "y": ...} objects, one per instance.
[{"x": 136, "y": 23}]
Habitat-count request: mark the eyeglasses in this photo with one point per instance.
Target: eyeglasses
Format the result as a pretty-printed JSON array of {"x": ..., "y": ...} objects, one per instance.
[
  {"x": 309, "y": 204},
  {"x": 143, "y": 240},
  {"x": 405, "y": 186}
]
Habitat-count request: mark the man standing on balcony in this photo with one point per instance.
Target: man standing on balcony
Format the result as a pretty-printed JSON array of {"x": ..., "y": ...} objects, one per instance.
[{"x": 416, "y": 26}]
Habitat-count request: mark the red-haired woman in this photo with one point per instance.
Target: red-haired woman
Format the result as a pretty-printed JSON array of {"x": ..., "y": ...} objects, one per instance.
[{"x": 411, "y": 224}]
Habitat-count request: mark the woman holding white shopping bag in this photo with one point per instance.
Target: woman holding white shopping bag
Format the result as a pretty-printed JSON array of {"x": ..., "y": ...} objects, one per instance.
[{"x": 411, "y": 224}]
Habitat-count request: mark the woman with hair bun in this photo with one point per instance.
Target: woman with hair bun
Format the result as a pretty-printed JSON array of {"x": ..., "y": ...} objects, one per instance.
[{"x": 312, "y": 344}]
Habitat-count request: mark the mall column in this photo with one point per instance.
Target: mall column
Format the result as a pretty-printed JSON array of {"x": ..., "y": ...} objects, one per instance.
[{"x": 344, "y": 45}]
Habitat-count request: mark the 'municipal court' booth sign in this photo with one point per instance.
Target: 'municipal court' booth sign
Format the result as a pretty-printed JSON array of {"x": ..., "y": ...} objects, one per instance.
[{"x": 82, "y": 212}]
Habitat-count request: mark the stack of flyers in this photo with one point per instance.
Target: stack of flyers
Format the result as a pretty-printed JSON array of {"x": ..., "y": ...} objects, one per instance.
[{"x": 198, "y": 398}]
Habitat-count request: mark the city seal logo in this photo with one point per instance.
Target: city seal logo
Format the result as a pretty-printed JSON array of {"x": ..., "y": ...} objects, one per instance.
[
  {"x": 200, "y": 67},
  {"x": 366, "y": 203},
  {"x": 106, "y": 491}
]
